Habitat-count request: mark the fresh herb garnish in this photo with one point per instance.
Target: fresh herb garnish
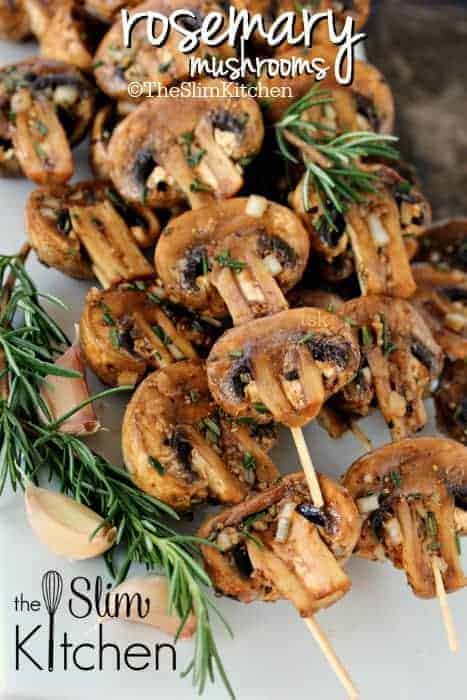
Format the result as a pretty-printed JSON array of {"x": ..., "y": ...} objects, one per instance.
[
  {"x": 156, "y": 465},
  {"x": 225, "y": 259},
  {"x": 396, "y": 478},
  {"x": 249, "y": 462}
]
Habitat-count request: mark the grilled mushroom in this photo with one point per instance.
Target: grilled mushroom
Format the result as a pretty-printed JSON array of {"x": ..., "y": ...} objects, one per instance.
[
  {"x": 128, "y": 330},
  {"x": 105, "y": 122},
  {"x": 86, "y": 231},
  {"x": 117, "y": 66},
  {"x": 71, "y": 35},
  {"x": 107, "y": 10},
  {"x": 278, "y": 545},
  {"x": 39, "y": 13},
  {"x": 412, "y": 495},
  {"x": 14, "y": 21},
  {"x": 191, "y": 147},
  {"x": 365, "y": 105},
  {"x": 180, "y": 449},
  {"x": 46, "y": 107},
  {"x": 286, "y": 365},
  {"x": 444, "y": 245},
  {"x": 451, "y": 400},
  {"x": 399, "y": 362},
  {"x": 441, "y": 298},
  {"x": 241, "y": 254},
  {"x": 373, "y": 230},
  {"x": 317, "y": 298}
]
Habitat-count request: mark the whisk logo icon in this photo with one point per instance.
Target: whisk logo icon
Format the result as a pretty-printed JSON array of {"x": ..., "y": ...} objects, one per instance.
[{"x": 52, "y": 591}]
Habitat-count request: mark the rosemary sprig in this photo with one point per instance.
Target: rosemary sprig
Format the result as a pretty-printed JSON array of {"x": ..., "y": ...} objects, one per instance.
[
  {"x": 32, "y": 447},
  {"x": 333, "y": 163}
]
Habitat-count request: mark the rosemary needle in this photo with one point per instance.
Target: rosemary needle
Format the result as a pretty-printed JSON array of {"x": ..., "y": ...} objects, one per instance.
[{"x": 32, "y": 447}]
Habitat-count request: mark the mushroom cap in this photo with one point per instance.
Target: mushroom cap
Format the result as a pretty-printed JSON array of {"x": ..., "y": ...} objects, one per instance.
[
  {"x": 369, "y": 90},
  {"x": 14, "y": 21},
  {"x": 184, "y": 137},
  {"x": 293, "y": 362},
  {"x": 117, "y": 66},
  {"x": 451, "y": 401},
  {"x": 165, "y": 448},
  {"x": 340, "y": 535},
  {"x": 415, "y": 476},
  {"x": 211, "y": 230},
  {"x": 445, "y": 243},
  {"x": 440, "y": 298}
]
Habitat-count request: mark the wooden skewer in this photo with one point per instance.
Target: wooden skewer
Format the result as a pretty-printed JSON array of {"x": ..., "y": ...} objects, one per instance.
[
  {"x": 445, "y": 609},
  {"x": 333, "y": 660},
  {"x": 319, "y": 634},
  {"x": 308, "y": 467}
]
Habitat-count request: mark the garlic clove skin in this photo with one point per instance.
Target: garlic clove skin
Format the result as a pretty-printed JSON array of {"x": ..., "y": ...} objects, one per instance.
[
  {"x": 62, "y": 394},
  {"x": 154, "y": 594},
  {"x": 65, "y": 526}
]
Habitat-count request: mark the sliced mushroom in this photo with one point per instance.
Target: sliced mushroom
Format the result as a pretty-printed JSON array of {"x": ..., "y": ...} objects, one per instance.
[
  {"x": 371, "y": 229},
  {"x": 231, "y": 256},
  {"x": 444, "y": 245},
  {"x": 14, "y": 21},
  {"x": 278, "y": 545},
  {"x": 107, "y": 10},
  {"x": 441, "y": 298},
  {"x": 286, "y": 365},
  {"x": 46, "y": 107},
  {"x": 188, "y": 147},
  {"x": 128, "y": 330},
  {"x": 399, "y": 361},
  {"x": 317, "y": 298},
  {"x": 180, "y": 449},
  {"x": 86, "y": 230},
  {"x": 152, "y": 66},
  {"x": 451, "y": 400},
  {"x": 105, "y": 122},
  {"x": 365, "y": 105},
  {"x": 419, "y": 490},
  {"x": 39, "y": 13},
  {"x": 71, "y": 35}
]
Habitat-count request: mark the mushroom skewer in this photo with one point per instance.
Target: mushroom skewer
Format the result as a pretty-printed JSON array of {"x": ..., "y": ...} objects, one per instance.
[
  {"x": 130, "y": 329},
  {"x": 286, "y": 365},
  {"x": 181, "y": 449},
  {"x": 279, "y": 545},
  {"x": 412, "y": 496}
]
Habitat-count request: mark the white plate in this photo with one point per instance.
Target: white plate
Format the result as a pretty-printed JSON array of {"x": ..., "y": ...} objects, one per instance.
[{"x": 393, "y": 643}]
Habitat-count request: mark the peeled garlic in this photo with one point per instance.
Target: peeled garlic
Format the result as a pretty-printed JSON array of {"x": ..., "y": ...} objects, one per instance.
[
  {"x": 153, "y": 593},
  {"x": 256, "y": 206},
  {"x": 66, "y": 526}
]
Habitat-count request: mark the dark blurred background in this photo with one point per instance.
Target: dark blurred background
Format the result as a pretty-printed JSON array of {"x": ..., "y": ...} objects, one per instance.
[{"x": 421, "y": 47}]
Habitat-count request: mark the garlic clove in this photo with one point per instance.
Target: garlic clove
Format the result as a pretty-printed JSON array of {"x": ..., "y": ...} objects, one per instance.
[
  {"x": 66, "y": 526},
  {"x": 153, "y": 594},
  {"x": 62, "y": 394}
]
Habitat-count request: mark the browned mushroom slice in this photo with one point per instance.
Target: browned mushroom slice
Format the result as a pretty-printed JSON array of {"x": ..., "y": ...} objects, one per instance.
[
  {"x": 441, "y": 298},
  {"x": 40, "y": 142},
  {"x": 40, "y": 13},
  {"x": 54, "y": 223},
  {"x": 365, "y": 105},
  {"x": 286, "y": 365},
  {"x": 451, "y": 400},
  {"x": 399, "y": 361},
  {"x": 444, "y": 245},
  {"x": 190, "y": 147},
  {"x": 45, "y": 106},
  {"x": 152, "y": 66},
  {"x": 179, "y": 449},
  {"x": 371, "y": 229},
  {"x": 278, "y": 545},
  {"x": 317, "y": 298},
  {"x": 412, "y": 496},
  {"x": 103, "y": 127},
  {"x": 241, "y": 254},
  {"x": 71, "y": 35},
  {"x": 14, "y": 21},
  {"x": 107, "y": 10},
  {"x": 128, "y": 330}
]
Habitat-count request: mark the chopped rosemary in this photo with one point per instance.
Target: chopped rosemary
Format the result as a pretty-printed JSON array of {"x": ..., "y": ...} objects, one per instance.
[
  {"x": 156, "y": 465},
  {"x": 396, "y": 478},
  {"x": 249, "y": 462},
  {"x": 367, "y": 337},
  {"x": 197, "y": 186},
  {"x": 225, "y": 259},
  {"x": 431, "y": 526},
  {"x": 33, "y": 447},
  {"x": 306, "y": 338},
  {"x": 260, "y": 407},
  {"x": 236, "y": 354}
]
